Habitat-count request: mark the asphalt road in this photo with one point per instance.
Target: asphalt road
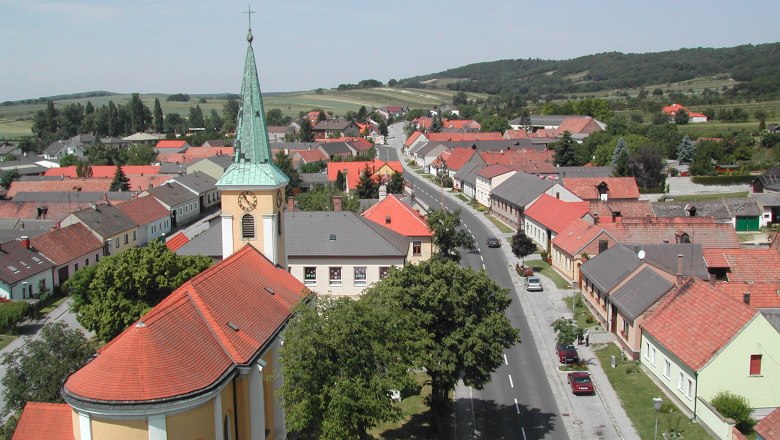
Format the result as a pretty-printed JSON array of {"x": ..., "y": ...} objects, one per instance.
[{"x": 518, "y": 403}]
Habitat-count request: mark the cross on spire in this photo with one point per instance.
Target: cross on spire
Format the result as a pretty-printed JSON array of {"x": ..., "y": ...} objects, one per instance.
[{"x": 249, "y": 13}]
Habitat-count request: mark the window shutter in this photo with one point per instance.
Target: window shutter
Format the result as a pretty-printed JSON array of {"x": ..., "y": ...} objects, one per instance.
[{"x": 247, "y": 226}]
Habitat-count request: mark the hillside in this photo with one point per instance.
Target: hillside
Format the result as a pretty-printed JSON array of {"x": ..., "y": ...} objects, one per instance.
[{"x": 753, "y": 68}]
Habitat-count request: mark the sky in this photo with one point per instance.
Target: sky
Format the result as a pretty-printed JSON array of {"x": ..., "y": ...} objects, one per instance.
[{"x": 194, "y": 46}]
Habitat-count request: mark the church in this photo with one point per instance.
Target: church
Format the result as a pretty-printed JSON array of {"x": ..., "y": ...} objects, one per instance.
[{"x": 204, "y": 363}]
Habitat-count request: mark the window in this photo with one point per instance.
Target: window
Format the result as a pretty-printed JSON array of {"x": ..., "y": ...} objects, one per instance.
[
  {"x": 247, "y": 227},
  {"x": 383, "y": 272},
  {"x": 667, "y": 368},
  {"x": 75, "y": 266},
  {"x": 417, "y": 247},
  {"x": 126, "y": 239},
  {"x": 310, "y": 276},
  {"x": 116, "y": 243},
  {"x": 625, "y": 329},
  {"x": 86, "y": 263},
  {"x": 134, "y": 237},
  {"x": 688, "y": 388},
  {"x": 360, "y": 276},
  {"x": 680, "y": 381},
  {"x": 97, "y": 258},
  {"x": 755, "y": 364},
  {"x": 603, "y": 245},
  {"x": 335, "y": 276},
  {"x": 652, "y": 355}
]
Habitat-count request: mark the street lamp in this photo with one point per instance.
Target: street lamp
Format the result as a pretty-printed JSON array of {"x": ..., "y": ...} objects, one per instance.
[{"x": 657, "y": 404}]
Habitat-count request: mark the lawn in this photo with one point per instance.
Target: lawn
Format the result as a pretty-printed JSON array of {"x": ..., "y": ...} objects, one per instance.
[
  {"x": 499, "y": 224},
  {"x": 636, "y": 392},
  {"x": 50, "y": 303},
  {"x": 703, "y": 197},
  {"x": 545, "y": 269},
  {"x": 464, "y": 198},
  {"x": 476, "y": 205},
  {"x": 582, "y": 312},
  {"x": 415, "y": 421},
  {"x": 6, "y": 339}
]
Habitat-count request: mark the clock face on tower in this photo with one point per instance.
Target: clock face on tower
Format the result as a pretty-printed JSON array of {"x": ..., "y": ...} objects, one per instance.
[
  {"x": 279, "y": 198},
  {"x": 247, "y": 201}
]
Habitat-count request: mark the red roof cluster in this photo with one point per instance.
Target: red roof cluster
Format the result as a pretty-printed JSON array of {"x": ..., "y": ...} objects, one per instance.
[
  {"x": 526, "y": 160},
  {"x": 673, "y": 109},
  {"x": 168, "y": 143},
  {"x": 587, "y": 188},
  {"x": 353, "y": 170},
  {"x": 194, "y": 336},
  {"x": 459, "y": 137},
  {"x": 754, "y": 265},
  {"x": 697, "y": 320},
  {"x": 576, "y": 236},
  {"x": 105, "y": 171},
  {"x": 66, "y": 185},
  {"x": 607, "y": 211},
  {"x": 454, "y": 158},
  {"x": 194, "y": 153},
  {"x": 556, "y": 214},
  {"x": 144, "y": 210},
  {"x": 762, "y": 295},
  {"x": 492, "y": 171},
  {"x": 397, "y": 216},
  {"x": 701, "y": 230},
  {"x": 410, "y": 140},
  {"x": 64, "y": 245}
]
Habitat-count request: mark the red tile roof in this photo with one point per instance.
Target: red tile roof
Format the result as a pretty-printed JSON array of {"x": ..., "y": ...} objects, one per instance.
[
  {"x": 66, "y": 244},
  {"x": 769, "y": 426},
  {"x": 487, "y": 136},
  {"x": 56, "y": 211},
  {"x": 50, "y": 421},
  {"x": 577, "y": 124},
  {"x": 66, "y": 185},
  {"x": 360, "y": 144},
  {"x": 586, "y": 188},
  {"x": 455, "y": 158},
  {"x": 516, "y": 134},
  {"x": 355, "y": 169},
  {"x": 143, "y": 183},
  {"x": 194, "y": 153},
  {"x": 762, "y": 295},
  {"x": 176, "y": 241},
  {"x": 461, "y": 124},
  {"x": 167, "y": 143},
  {"x": 492, "y": 171},
  {"x": 144, "y": 210},
  {"x": 186, "y": 343},
  {"x": 555, "y": 214},
  {"x": 626, "y": 208},
  {"x": 673, "y": 109},
  {"x": 696, "y": 321},
  {"x": 576, "y": 236},
  {"x": 756, "y": 265},
  {"x": 312, "y": 155},
  {"x": 525, "y": 160},
  {"x": 410, "y": 140},
  {"x": 701, "y": 230},
  {"x": 402, "y": 218},
  {"x": 105, "y": 171}
]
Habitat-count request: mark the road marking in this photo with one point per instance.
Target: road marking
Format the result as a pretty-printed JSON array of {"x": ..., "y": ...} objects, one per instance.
[
  {"x": 524, "y": 437},
  {"x": 506, "y": 362},
  {"x": 517, "y": 407},
  {"x": 473, "y": 416},
  {"x": 511, "y": 383}
]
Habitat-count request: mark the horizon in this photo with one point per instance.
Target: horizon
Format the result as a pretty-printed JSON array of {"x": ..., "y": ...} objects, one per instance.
[{"x": 62, "y": 48}]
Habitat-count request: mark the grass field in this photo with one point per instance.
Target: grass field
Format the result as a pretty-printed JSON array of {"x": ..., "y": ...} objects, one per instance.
[
  {"x": 581, "y": 312},
  {"x": 636, "y": 392},
  {"x": 415, "y": 420},
  {"x": 501, "y": 226},
  {"x": 545, "y": 269}
]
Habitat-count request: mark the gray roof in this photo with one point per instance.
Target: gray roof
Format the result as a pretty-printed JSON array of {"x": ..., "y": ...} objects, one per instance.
[
  {"x": 413, "y": 151},
  {"x": 173, "y": 168},
  {"x": 771, "y": 179},
  {"x": 766, "y": 199},
  {"x": 198, "y": 182},
  {"x": 8, "y": 148},
  {"x": 309, "y": 235},
  {"x": 521, "y": 189},
  {"x": 336, "y": 148},
  {"x": 7, "y": 235},
  {"x": 607, "y": 269},
  {"x": 773, "y": 316},
  {"x": 333, "y": 125},
  {"x": 468, "y": 172},
  {"x": 23, "y": 167},
  {"x": 105, "y": 220},
  {"x": 665, "y": 257},
  {"x": 172, "y": 194},
  {"x": 746, "y": 207},
  {"x": 314, "y": 178},
  {"x": 723, "y": 209},
  {"x": 431, "y": 148},
  {"x": 208, "y": 242},
  {"x": 640, "y": 292},
  {"x": 18, "y": 263},
  {"x": 223, "y": 160},
  {"x": 71, "y": 196},
  {"x": 584, "y": 172},
  {"x": 294, "y": 145},
  {"x": 26, "y": 224}
]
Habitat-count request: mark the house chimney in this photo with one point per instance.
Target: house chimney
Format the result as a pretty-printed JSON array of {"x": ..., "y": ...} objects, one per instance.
[
  {"x": 26, "y": 241},
  {"x": 291, "y": 204},
  {"x": 679, "y": 269},
  {"x": 746, "y": 298},
  {"x": 336, "y": 203},
  {"x": 382, "y": 192}
]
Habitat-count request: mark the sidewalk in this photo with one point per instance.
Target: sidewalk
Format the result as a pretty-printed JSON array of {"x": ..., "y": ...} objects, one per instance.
[{"x": 584, "y": 418}]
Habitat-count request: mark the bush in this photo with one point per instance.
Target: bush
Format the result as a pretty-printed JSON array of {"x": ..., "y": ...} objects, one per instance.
[
  {"x": 632, "y": 369},
  {"x": 736, "y": 407},
  {"x": 11, "y": 313},
  {"x": 590, "y": 319},
  {"x": 674, "y": 172},
  {"x": 723, "y": 180}
]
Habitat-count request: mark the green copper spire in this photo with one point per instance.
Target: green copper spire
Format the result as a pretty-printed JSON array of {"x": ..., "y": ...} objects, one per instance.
[{"x": 253, "y": 163}]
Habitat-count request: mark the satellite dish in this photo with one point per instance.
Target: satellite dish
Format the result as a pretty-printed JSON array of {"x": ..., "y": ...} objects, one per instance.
[{"x": 641, "y": 254}]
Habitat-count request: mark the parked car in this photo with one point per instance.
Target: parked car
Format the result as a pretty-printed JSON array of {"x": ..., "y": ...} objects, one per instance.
[
  {"x": 580, "y": 383},
  {"x": 532, "y": 283},
  {"x": 493, "y": 242},
  {"x": 567, "y": 354}
]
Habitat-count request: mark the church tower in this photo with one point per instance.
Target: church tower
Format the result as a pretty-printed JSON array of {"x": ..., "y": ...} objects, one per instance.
[{"x": 253, "y": 187}]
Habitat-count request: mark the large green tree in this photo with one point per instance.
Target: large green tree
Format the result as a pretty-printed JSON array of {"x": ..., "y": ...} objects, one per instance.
[
  {"x": 686, "y": 150},
  {"x": 436, "y": 124},
  {"x": 367, "y": 187},
  {"x": 142, "y": 154},
  {"x": 522, "y": 245},
  {"x": 564, "y": 151},
  {"x": 8, "y": 177},
  {"x": 37, "y": 371},
  {"x": 112, "y": 294},
  {"x": 396, "y": 184},
  {"x": 120, "y": 182},
  {"x": 284, "y": 162},
  {"x": 159, "y": 121},
  {"x": 448, "y": 236},
  {"x": 230, "y": 114},
  {"x": 307, "y": 135},
  {"x": 460, "y": 314},
  {"x": 647, "y": 165},
  {"x": 340, "y": 364}
]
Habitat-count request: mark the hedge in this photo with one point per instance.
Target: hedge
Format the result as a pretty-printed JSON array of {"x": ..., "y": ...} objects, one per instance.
[
  {"x": 11, "y": 313},
  {"x": 723, "y": 180}
]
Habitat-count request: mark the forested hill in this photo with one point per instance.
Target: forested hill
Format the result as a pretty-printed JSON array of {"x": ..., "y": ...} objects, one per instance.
[{"x": 754, "y": 68}]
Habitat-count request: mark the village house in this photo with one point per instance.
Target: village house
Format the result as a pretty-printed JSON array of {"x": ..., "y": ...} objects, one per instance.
[
  {"x": 109, "y": 224},
  {"x": 546, "y": 217},
  {"x": 335, "y": 128},
  {"x": 153, "y": 219},
  {"x": 510, "y": 198},
  {"x": 671, "y": 112},
  {"x": 488, "y": 178},
  {"x": 603, "y": 188},
  {"x": 392, "y": 213},
  {"x": 203, "y": 185},
  {"x": 380, "y": 171},
  {"x": 167, "y": 146},
  {"x": 24, "y": 272},
  {"x": 69, "y": 248},
  {"x": 742, "y": 214},
  {"x": 182, "y": 203}
]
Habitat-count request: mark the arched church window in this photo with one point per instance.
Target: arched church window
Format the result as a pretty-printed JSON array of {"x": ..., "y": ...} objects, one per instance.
[{"x": 247, "y": 227}]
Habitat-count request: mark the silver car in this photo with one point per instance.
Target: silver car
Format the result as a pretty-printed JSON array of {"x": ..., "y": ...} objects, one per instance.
[{"x": 533, "y": 284}]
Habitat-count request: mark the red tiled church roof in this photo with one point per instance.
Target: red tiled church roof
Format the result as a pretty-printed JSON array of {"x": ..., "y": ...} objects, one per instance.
[
  {"x": 402, "y": 218},
  {"x": 186, "y": 344},
  {"x": 697, "y": 320}
]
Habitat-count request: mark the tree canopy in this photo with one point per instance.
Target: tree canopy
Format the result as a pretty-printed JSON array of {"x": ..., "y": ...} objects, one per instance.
[
  {"x": 564, "y": 151},
  {"x": 448, "y": 237},
  {"x": 522, "y": 245},
  {"x": 367, "y": 187},
  {"x": 114, "y": 293},
  {"x": 120, "y": 181},
  {"x": 396, "y": 184}
]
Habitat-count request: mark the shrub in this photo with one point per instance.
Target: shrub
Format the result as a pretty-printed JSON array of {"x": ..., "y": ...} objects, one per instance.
[
  {"x": 736, "y": 407},
  {"x": 11, "y": 313},
  {"x": 722, "y": 180},
  {"x": 590, "y": 319},
  {"x": 632, "y": 369}
]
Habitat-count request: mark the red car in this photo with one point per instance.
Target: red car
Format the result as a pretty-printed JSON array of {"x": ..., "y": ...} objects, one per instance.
[
  {"x": 567, "y": 354},
  {"x": 580, "y": 383}
]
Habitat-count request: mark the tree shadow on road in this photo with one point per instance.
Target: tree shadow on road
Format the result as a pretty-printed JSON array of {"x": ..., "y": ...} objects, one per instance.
[{"x": 499, "y": 421}]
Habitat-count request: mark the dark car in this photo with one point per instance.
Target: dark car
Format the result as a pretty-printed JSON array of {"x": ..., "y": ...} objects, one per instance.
[
  {"x": 580, "y": 383},
  {"x": 567, "y": 354},
  {"x": 493, "y": 242}
]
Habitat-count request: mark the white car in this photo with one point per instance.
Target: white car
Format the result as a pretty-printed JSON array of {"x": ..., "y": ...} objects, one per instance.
[{"x": 533, "y": 283}]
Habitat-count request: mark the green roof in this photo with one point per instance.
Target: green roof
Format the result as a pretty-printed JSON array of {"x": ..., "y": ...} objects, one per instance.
[{"x": 253, "y": 164}]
